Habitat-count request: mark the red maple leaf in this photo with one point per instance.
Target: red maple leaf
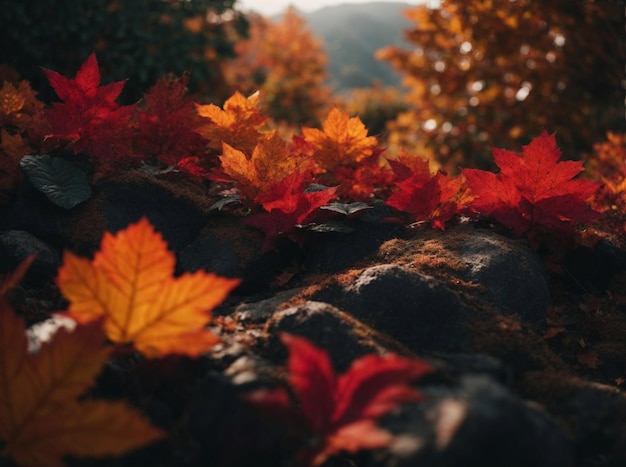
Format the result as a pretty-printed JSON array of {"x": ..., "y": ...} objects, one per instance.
[
  {"x": 167, "y": 123},
  {"x": 89, "y": 115},
  {"x": 533, "y": 189},
  {"x": 287, "y": 205},
  {"x": 341, "y": 411},
  {"x": 426, "y": 196}
]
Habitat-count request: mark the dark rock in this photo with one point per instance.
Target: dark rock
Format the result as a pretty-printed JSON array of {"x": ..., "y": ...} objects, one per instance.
[
  {"x": 228, "y": 432},
  {"x": 477, "y": 422},
  {"x": 332, "y": 253},
  {"x": 31, "y": 211},
  {"x": 251, "y": 372},
  {"x": 210, "y": 254},
  {"x": 260, "y": 311},
  {"x": 17, "y": 245},
  {"x": 593, "y": 268},
  {"x": 513, "y": 276},
  {"x": 176, "y": 218},
  {"x": 456, "y": 365},
  {"x": 343, "y": 337},
  {"x": 593, "y": 415},
  {"x": 234, "y": 250},
  {"x": 503, "y": 271},
  {"x": 411, "y": 307}
]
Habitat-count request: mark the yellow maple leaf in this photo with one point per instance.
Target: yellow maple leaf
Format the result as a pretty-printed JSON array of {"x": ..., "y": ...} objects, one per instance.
[
  {"x": 41, "y": 418},
  {"x": 238, "y": 124},
  {"x": 130, "y": 285},
  {"x": 269, "y": 164},
  {"x": 343, "y": 141}
]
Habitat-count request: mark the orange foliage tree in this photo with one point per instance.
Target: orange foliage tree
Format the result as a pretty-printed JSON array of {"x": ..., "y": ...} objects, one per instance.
[
  {"x": 375, "y": 106},
  {"x": 497, "y": 71},
  {"x": 287, "y": 64}
]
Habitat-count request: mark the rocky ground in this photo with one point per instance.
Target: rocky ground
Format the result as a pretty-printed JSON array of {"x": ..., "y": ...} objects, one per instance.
[{"x": 529, "y": 352}]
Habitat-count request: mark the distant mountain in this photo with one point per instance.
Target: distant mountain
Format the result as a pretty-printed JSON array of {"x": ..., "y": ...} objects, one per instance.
[{"x": 352, "y": 33}]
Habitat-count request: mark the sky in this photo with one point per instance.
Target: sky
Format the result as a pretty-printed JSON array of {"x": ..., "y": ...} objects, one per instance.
[{"x": 272, "y": 7}]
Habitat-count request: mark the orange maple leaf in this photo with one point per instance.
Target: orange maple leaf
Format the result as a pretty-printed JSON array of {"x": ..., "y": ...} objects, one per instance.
[
  {"x": 129, "y": 283},
  {"x": 238, "y": 124},
  {"x": 343, "y": 141},
  {"x": 41, "y": 420},
  {"x": 269, "y": 164}
]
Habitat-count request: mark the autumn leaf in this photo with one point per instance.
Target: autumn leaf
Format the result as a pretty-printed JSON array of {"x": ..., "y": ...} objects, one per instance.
[
  {"x": 41, "y": 417},
  {"x": 130, "y": 285},
  {"x": 288, "y": 204},
  {"x": 533, "y": 189},
  {"x": 166, "y": 123},
  {"x": 426, "y": 196},
  {"x": 271, "y": 162},
  {"x": 238, "y": 124},
  {"x": 342, "y": 141},
  {"x": 89, "y": 117},
  {"x": 341, "y": 410},
  {"x": 12, "y": 279}
]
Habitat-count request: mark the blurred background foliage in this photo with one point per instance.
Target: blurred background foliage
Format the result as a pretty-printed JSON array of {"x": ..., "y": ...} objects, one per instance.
[
  {"x": 496, "y": 72},
  {"x": 476, "y": 74},
  {"x": 285, "y": 62},
  {"x": 135, "y": 40}
]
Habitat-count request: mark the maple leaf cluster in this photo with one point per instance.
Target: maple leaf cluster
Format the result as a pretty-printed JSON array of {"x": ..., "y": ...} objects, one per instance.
[
  {"x": 22, "y": 126},
  {"x": 283, "y": 181},
  {"x": 160, "y": 128}
]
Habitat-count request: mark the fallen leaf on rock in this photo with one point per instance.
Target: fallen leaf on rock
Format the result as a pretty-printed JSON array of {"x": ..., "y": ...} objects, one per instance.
[
  {"x": 341, "y": 411},
  {"x": 130, "y": 285}
]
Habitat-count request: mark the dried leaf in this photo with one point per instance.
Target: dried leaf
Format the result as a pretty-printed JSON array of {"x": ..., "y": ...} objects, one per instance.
[{"x": 41, "y": 418}]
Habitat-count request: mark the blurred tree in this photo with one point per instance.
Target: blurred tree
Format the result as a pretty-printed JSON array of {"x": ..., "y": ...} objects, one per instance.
[
  {"x": 491, "y": 72},
  {"x": 138, "y": 40},
  {"x": 375, "y": 106},
  {"x": 287, "y": 65}
]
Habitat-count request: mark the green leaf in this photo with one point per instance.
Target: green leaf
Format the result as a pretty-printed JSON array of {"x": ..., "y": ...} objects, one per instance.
[
  {"x": 347, "y": 209},
  {"x": 61, "y": 181},
  {"x": 328, "y": 226}
]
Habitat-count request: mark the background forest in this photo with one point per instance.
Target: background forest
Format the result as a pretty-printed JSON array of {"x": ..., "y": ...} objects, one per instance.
[{"x": 445, "y": 83}]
